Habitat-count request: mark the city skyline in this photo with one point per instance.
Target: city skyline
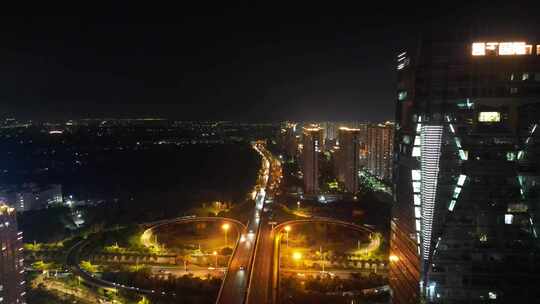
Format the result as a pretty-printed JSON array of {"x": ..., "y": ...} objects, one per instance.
[{"x": 271, "y": 154}]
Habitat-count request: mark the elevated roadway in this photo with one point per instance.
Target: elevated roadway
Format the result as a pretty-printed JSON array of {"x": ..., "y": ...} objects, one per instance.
[
  {"x": 264, "y": 286},
  {"x": 235, "y": 285}
]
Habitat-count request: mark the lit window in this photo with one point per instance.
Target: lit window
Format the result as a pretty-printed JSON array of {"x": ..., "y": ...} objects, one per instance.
[
  {"x": 525, "y": 76},
  {"x": 418, "y": 225},
  {"x": 452, "y": 205},
  {"x": 508, "y": 219},
  {"x": 489, "y": 117},
  {"x": 416, "y": 176},
  {"x": 461, "y": 179},
  {"x": 417, "y": 212},
  {"x": 463, "y": 155},
  {"x": 417, "y": 201},
  {"x": 457, "y": 191},
  {"x": 416, "y": 152},
  {"x": 417, "y": 141},
  {"x": 492, "y": 295},
  {"x": 514, "y": 48},
  {"x": 479, "y": 49},
  {"x": 466, "y": 104},
  {"x": 406, "y": 139},
  {"x": 402, "y": 95},
  {"x": 458, "y": 142},
  {"x": 510, "y": 156},
  {"x": 416, "y": 187}
]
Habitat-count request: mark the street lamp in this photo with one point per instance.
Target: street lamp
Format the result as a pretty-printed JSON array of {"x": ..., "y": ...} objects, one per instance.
[
  {"x": 215, "y": 255},
  {"x": 226, "y": 227},
  {"x": 393, "y": 258},
  {"x": 297, "y": 256},
  {"x": 287, "y": 229}
]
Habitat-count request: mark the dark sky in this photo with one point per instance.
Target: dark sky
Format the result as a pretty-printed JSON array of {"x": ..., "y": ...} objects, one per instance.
[{"x": 249, "y": 64}]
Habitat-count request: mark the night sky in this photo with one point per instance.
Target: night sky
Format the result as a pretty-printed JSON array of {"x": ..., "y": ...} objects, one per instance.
[{"x": 264, "y": 63}]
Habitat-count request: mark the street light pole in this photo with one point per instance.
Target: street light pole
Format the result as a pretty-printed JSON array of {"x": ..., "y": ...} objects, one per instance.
[
  {"x": 322, "y": 258},
  {"x": 287, "y": 229},
  {"x": 226, "y": 227}
]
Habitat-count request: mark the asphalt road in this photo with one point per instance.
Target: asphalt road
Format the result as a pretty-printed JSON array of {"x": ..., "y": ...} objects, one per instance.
[
  {"x": 260, "y": 290},
  {"x": 234, "y": 288},
  {"x": 236, "y": 280}
]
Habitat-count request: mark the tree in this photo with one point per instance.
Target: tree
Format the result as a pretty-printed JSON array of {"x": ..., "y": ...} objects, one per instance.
[{"x": 87, "y": 266}]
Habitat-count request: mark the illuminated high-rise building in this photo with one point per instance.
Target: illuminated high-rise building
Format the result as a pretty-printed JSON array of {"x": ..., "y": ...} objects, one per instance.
[
  {"x": 311, "y": 147},
  {"x": 466, "y": 171},
  {"x": 289, "y": 139},
  {"x": 11, "y": 262},
  {"x": 379, "y": 148},
  {"x": 348, "y": 159}
]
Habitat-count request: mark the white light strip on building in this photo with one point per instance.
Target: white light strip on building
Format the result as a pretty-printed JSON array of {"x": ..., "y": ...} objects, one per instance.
[
  {"x": 530, "y": 135},
  {"x": 532, "y": 226},
  {"x": 452, "y": 205},
  {"x": 461, "y": 179},
  {"x": 431, "y": 152},
  {"x": 457, "y": 191}
]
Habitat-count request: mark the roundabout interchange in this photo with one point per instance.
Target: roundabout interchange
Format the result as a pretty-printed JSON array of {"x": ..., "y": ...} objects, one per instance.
[{"x": 252, "y": 273}]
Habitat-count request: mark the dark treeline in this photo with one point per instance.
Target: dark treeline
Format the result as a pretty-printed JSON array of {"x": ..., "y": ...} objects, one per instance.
[{"x": 146, "y": 185}]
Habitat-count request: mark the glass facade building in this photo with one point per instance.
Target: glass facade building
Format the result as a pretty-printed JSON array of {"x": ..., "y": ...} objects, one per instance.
[{"x": 466, "y": 167}]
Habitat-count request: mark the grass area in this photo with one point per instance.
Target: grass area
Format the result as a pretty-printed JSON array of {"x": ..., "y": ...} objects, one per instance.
[
  {"x": 187, "y": 237},
  {"x": 48, "y": 288},
  {"x": 310, "y": 244}
]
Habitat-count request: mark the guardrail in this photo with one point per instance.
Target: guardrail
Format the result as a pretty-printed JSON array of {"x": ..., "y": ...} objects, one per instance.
[
  {"x": 252, "y": 260},
  {"x": 191, "y": 218},
  {"x": 316, "y": 219},
  {"x": 228, "y": 266}
]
